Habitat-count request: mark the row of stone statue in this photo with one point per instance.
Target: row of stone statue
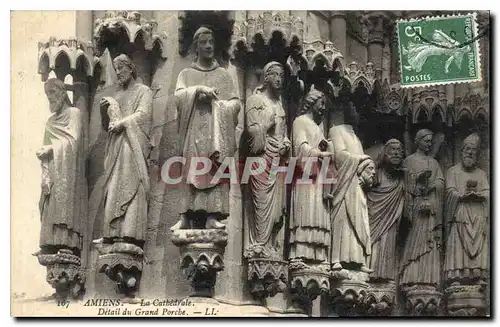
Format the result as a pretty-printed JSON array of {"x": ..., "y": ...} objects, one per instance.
[{"x": 352, "y": 224}]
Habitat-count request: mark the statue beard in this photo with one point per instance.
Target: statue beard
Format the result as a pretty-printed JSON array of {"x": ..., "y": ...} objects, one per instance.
[
  {"x": 55, "y": 106},
  {"x": 469, "y": 162}
]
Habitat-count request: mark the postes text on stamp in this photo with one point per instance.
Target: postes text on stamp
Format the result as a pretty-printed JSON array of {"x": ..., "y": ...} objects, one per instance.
[{"x": 439, "y": 50}]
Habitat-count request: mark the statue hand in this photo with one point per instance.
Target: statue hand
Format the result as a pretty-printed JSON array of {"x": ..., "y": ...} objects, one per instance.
[
  {"x": 285, "y": 148},
  {"x": 207, "y": 91},
  {"x": 44, "y": 152},
  {"x": 116, "y": 127},
  {"x": 104, "y": 102}
]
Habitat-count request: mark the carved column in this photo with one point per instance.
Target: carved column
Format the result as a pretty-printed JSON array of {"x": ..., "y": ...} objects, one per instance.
[
  {"x": 376, "y": 22},
  {"x": 338, "y": 31}
]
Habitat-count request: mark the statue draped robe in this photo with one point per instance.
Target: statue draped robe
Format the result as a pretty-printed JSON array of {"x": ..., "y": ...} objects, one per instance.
[
  {"x": 63, "y": 201},
  {"x": 385, "y": 208},
  {"x": 309, "y": 223},
  {"x": 349, "y": 212},
  {"x": 121, "y": 193},
  {"x": 267, "y": 192},
  {"x": 467, "y": 225},
  {"x": 205, "y": 129},
  {"x": 420, "y": 260}
]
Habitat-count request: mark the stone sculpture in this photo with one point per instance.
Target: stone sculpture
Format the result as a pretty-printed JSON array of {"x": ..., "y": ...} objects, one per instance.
[
  {"x": 466, "y": 209},
  {"x": 267, "y": 140},
  {"x": 121, "y": 193},
  {"x": 385, "y": 209},
  {"x": 207, "y": 110},
  {"x": 63, "y": 200},
  {"x": 424, "y": 181},
  {"x": 208, "y": 106},
  {"x": 351, "y": 243},
  {"x": 350, "y": 238},
  {"x": 309, "y": 223}
]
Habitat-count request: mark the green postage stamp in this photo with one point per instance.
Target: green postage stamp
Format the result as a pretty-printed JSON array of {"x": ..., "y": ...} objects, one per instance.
[{"x": 439, "y": 50}]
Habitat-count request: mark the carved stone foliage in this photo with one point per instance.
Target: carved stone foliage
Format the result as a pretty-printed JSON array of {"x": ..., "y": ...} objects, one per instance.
[
  {"x": 380, "y": 298},
  {"x": 423, "y": 300},
  {"x": 65, "y": 56},
  {"x": 122, "y": 263},
  {"x": 202, "y": 257},
  {"x": 307, "y": 282},
  {"x": 348, "y": 292},
  {"x": 64, "y": 274},
  {"x": 129, "y": 26},
  {"x": 466, "y": 300},
  {"x": 267, "y": 277},
  {"x": 354, "y": 28}
]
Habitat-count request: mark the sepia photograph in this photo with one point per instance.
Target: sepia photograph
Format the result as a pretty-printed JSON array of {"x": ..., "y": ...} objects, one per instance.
[{"x": 246, "y": 163}]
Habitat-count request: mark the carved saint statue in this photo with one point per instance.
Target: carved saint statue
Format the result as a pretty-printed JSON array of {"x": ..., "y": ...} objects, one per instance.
[
  {"x": 385, "y": 208},
  {"x": 266, "y": 127},
  {"x": 207, "y": 106},
  {"x": 467, "y": 196},
  {"x": 309, "y": 223},
  {"x": 121, "y": 193},
  {"x": 351, "y": 243},
  {"x": 63, "y": 201},
  {"x": 424, "y": 188}
]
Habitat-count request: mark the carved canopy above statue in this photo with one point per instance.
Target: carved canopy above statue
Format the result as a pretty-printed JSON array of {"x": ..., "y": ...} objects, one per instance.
[{"x": 132, "y": 25}]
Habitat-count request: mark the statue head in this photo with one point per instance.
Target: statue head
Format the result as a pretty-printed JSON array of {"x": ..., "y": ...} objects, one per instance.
[
  {"x": 423, "y": 140},
  {"x": 314, "y": 103},
  {"x": 393, "y": 153},
  {"x": 56, "y": 94},
  {"x": 203, "y": 42},
  {"x": 470, "y": 151},
  {"x": 367, "y": 168},
  {"x": 125, "y": 69},
  {"x": 274, "y": 75}
]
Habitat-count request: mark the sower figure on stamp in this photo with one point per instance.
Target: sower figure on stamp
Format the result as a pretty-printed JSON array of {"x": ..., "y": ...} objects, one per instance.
[
  {"x": 309, "y": 224},
  {"x": 120, "y": 196},
  {"x": 63, "y": 201},
  {"x": 385, "y": 208},
  {"x": 351, "y": 243},
  {"x": 266, "y": 127},
  {"x": 424, "y": 190},
  {"x": 467, "y": 196},
  {"x": 207, "y": 106}
]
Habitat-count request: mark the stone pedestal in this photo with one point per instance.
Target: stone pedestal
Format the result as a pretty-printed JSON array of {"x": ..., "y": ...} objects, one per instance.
[
  {"x": 122, "y": 263},
  {"x": 64, "y": 274},
  {"x": 348, "y": 289},
  {"x": 380, "y": 298},
  {"x": 267, "y": 277},
  {"x": 466, "y": 300},
  {"x": 422, "y": 300},
  {"x": 307, "y": 282},
  {"x": 202, "y": 257}
]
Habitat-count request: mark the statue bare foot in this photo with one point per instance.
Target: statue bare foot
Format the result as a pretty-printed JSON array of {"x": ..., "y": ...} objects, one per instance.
[
  {"x": 365, "y": 269},
  {"x": 336, "y": 266},
  {"x": 212, "y": 223},
  {"x": 181, "y": 224}
]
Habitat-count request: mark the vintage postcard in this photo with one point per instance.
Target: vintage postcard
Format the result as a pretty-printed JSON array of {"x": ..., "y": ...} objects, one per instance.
[{"x": 250, "y": 164}]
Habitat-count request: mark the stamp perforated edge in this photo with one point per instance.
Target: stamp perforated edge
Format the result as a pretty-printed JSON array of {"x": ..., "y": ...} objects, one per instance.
[{"x": 476, "y": 45}]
